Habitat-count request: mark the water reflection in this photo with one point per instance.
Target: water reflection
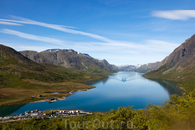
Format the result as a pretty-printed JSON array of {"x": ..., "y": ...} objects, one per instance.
[
  {"x": 96, "y": 81},
  {"x": 170, "y": 86},
  {"x": 6, "y": 110}
]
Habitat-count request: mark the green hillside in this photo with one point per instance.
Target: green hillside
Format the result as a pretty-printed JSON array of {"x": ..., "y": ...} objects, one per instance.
[
  {"x": 21, "y": 78},
  {"x": 178, "y": 113},
  {"x": 185, "y": 77}
]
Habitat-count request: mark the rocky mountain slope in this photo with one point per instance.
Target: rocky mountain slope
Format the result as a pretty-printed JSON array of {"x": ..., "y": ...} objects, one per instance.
[
  {"x": 179, "y": 65},
  {"x": 70, "y": 59},
  {"x": 181, "y": 58}
]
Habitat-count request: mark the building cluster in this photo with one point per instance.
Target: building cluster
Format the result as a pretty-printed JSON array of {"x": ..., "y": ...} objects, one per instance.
[{"x": 43, "y": 114}]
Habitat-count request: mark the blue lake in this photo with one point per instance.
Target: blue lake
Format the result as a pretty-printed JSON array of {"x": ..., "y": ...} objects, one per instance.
[{"x": 119, "y": 89}]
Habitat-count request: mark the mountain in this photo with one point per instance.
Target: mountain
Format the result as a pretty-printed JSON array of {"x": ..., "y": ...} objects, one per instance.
[
  {"x": 140, "y": 68},
  {"x": 128, "y": 67},
  {"x": 110, "y": 66},
  {"x": 15, "y": 64},
  {"x": 71, "y": 59},
  {"x": 182, "y": 58},
  {"x": 179, "y": 65},
  {"x": 21, "y": 78},
  {"x": 148, "y": 67}
]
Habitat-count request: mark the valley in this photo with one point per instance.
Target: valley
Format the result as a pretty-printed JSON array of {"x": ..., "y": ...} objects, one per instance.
[
  {"x": 22, "y": 78},
  {"x": 144, "y": 87},
  {"x": 97, "y": 65}
]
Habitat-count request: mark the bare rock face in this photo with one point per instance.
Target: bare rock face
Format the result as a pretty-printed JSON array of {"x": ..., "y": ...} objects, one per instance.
[
  {"x": 183, "y": 56},
  {"x": 69, "y": 59}
]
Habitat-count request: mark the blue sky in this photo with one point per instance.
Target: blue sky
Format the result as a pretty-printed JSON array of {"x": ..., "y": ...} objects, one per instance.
[{"x": 120, "y": 31}]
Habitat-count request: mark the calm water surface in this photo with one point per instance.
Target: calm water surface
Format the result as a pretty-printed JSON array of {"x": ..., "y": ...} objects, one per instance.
[{"x": 119, "y": 89}]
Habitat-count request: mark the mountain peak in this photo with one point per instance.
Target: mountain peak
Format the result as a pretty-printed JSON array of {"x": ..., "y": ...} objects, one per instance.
[
  {"x": 53, "y": 50},
  {"x": 67, "y": 50},
  {"x": 137, "y": 65}
]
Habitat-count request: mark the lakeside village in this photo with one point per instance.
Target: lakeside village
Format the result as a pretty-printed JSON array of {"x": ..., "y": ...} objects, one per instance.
[{"x": 43, "y": 114}]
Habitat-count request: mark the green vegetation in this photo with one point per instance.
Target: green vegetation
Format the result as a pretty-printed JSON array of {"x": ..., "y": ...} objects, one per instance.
[
  {"x": 186, "y": 77},
  {"x": 21, "y": 78},
  {"x": 179, "y": 112}
]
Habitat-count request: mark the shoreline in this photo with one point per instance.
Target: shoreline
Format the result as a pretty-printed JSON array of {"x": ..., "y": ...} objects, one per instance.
[
  {"x": 179, "y": 84},
  {"x": 44, "y": 100},
  {"x": 54, "y": 113},
  {"x": 63, "y": 98}
]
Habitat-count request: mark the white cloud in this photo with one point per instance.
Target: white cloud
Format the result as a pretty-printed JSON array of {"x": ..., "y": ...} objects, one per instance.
[
  {"x": 175, "y": 14},
  {"x": 161, "y": 46},
  {"x": 57, "y": 27},
  {"x": 121, "y": 47},
  {"x": 150, "y": 45},
  {"x": 128, "y": 53},
  {"x": 117, "y": 52},
  {"x": 25, "y": 46},
  {"x": 32, "y": 37},
  {"x": 9, "y": 23}
]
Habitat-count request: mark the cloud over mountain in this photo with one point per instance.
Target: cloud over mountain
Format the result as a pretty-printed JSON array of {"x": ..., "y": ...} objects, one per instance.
[{"x": 175, "y": 14}]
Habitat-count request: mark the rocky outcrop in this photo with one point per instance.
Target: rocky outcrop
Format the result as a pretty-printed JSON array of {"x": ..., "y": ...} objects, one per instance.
[{"x": 183, "y": 56}]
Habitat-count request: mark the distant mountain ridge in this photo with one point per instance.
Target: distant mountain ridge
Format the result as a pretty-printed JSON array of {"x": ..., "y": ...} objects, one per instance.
[
  {"x": 148, "y": 67},
  {"x": 129, "y": 67},
  {"x": 140, "y": 68},
  {"x": 72, "y": 59}
]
